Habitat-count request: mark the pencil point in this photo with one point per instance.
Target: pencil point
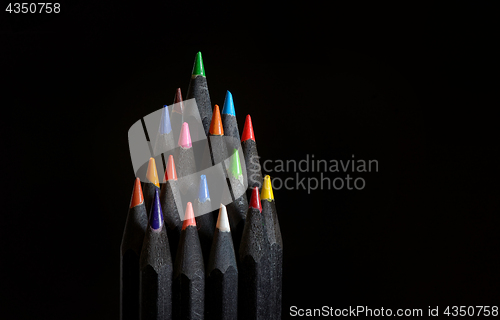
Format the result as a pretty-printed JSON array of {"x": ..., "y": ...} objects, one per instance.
[
  {"x": 178, "y": 102},
  {"x": 216, "y": 124},
  {"x": 222, "y": 220},
  {"x": 198, "y": 68},
  {"x": 248, "y": 130},
  {"x": 156, "y": 215},
  {"x": 170, "y": 173},
  {"x": 152, "y": 174},
  {"x": 185, "y": 136},
  {"x": 203, "y": 194},
  {"x": 228, "y": 104},
  {"x": 137, "y": 197},
  {"x": 235, "y": 167},
  {"x": 165, "y": 126},
  {"x": 267, "y": 189},
  {"x": 189, "y": 217},
  {"x": 255, "y": 200}
]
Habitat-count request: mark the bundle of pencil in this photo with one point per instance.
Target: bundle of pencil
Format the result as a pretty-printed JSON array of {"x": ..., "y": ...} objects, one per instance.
[{"x": 176, "y": 261}]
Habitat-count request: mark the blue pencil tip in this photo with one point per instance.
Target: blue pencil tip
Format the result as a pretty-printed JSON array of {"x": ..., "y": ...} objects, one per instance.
[
  {"x": 156, "y": 214},
  {"x": 165, "y": 126},
  {"x": 228, "y": 104},
  {"x": 203, "y": 195}
]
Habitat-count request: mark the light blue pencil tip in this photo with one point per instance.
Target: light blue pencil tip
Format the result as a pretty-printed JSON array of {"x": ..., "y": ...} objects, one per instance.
[
  {"x": 228, "y": 105},
  {"x": 203, "y": 195},
  {"x": 165, "y": 126}
]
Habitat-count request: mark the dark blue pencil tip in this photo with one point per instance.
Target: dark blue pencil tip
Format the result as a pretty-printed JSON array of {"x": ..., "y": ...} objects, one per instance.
[
  {"x": 165, "y": 126},
  {"x": 228, "y": 104},
  {"x": 156, "y": 214},
  {"x": 203, "y": 195}
]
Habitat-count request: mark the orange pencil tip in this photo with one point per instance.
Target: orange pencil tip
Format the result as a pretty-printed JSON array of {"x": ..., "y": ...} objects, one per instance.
[
  {"x": 216, "y": 124},
  {"x": 137, "y": 197}
]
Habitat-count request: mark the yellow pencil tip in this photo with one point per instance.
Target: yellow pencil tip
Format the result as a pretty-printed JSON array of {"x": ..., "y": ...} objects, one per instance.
[
  {"x": 267, "y": 189},
  {"x": 152, "y": 174}
]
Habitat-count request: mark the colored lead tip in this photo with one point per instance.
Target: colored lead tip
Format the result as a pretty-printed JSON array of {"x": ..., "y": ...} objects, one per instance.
[
  {"x": 247, "y": 130},
  {"x": 189, "y": 217},
  {"x": 228, "y": 104},
  {"x": 137, "y": 197},
  {"x": 216, "y": 124},
  {"x": 203, "y": 194},
  {"x": 198, "y": 68},
  {"x": 165, "y": 126},
  {"x": 170, "y": 173},
  {"x": 255, "y": 200},
  {"x": 185, "y": 136},
  {"x": 222, "y": 220},
  {"x": 178, "y": 102},
  {"x": 267, "y": 189},
  {"x": 156, "y": 214},
  {"x": 151, "y": 174},
  {"x": 235, "y": 167}
]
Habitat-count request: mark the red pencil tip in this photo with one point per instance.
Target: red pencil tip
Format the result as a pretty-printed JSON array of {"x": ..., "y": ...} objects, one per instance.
[
  {"x": 137, "y": 197},
  {"x": 170, "y": 173},
  {"x": 189, "y": 217},
  {"x": 216, "y": 124},
  {"x": 178, "y": 102},
  {"x": 255, "y": 199},
  {"x": 247, "y": 130}
]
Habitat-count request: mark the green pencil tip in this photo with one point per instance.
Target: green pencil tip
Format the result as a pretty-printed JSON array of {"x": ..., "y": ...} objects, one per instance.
[
  {"x": 235, "y": 166},
  {"x": 198, "y": 69}
]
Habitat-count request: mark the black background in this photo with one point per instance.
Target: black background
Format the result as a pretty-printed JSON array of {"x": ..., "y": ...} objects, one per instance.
[{"x": 408, "y": 86}]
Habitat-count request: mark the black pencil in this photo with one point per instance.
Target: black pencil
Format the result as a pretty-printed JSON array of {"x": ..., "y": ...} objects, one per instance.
[
  {"x": 237, "y": 209},
  {"x": 177, "y": 114},
  {"x": 252, "y": 162},
  {"x": 222, "y": 273},
  {"x": 156, "y": 268},
  {"x": 164, "y": 144},
  {"x": 254, "y": 267},
  {"x": 189, "y": 273},
  {"x": 198, "y": 89},
  {"x": 276, "y": 246},
  {"x": 171, "y": 205},
  {"x": 186, "y": 165},
  {"x": 151, "y": 184},
  {"x": 230, "y": 124},
  {"x": 133, "y": 236},
  {"x": 216, "y": 139},
  {"x": 204, "y": 217}
]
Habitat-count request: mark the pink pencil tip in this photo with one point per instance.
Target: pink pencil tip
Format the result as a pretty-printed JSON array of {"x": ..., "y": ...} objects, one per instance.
[
  {"x": 185, "y": 136},
  {"x": 189, "y": 217}
]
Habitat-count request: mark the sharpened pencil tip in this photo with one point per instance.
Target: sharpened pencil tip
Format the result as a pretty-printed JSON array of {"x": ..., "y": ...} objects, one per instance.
[
  {"x": 248, "y": 130},
  {"x": 189, "y": 217},
  {"x": 137, "y": 197},
  {"x": 235, "y": 167},
  {"x": 165, "y": 126},
  {"x": 152, "y": 174},
  {"x": 170, "y": 173},
  {"x": 185, "y": 136},
  {"x": 198, "y": 68},
  {"x": 267, "y": 189},
  {"x": 156, "y": 214},
  {"x": 255, "y": 200},
  {"x": 203, "y": 194},
  {"x": 222, "y": 220},
  {"x": 228, "y": 107},
  {"x": 178, "y": 102},
  {"x": 216, "y": 124}
]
